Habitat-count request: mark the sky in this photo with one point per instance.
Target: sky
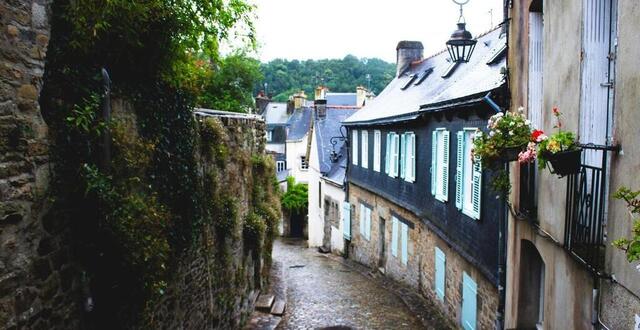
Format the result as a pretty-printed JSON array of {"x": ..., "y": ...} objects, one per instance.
[{"x": 318, "y": 29}]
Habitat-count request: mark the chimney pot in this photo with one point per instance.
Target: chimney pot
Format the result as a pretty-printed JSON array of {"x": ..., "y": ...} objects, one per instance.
[{"x": 407, "y": 52}]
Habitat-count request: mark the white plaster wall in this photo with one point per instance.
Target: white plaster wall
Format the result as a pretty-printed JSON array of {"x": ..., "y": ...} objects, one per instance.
[
  {"x": 295, "y": 149},
  {"x": 336, "y": 193}
]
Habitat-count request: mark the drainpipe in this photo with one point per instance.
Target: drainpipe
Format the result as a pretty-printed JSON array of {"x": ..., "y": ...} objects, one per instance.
[
  {"x": 502, "y": 255},
  {"x": 106, "y": 118}
]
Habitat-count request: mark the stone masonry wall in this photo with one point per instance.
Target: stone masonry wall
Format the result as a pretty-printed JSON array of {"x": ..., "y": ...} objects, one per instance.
[
  {"x": 37, "y": 280},
  {"x": 197, "y": 298},
  {"x": 419, "y": 273}
]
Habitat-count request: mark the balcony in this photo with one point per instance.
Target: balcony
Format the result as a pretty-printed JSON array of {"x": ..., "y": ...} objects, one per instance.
[{"x": 586, "y": 202}]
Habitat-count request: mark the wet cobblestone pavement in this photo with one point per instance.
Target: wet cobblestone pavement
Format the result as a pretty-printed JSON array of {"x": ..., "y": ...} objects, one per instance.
[{"x": 324, "y": 293}]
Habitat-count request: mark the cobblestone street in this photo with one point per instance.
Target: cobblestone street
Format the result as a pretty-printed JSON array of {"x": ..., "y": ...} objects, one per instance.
[{"x": 324, "y": 293}]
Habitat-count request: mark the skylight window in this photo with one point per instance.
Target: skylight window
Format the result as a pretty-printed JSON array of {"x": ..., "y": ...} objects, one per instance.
[
  {"x": 452, "y": 67},
  {"x": 497, "y": 55},
  {"x": 424, "y": 76},
  {"x": 412, "y": 78}
]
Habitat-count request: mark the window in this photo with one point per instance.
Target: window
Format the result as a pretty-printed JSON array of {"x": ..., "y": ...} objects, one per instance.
[
  {"x": 440, "y": 273},
  {"x": 346, "y": 220},
  {"x": 376, "y": 150},
  {"x": 440, "y": 164},
  {"x": 365, "y": 149},
  {"x": 320, "y": 194},
  {"x": 304, "y": 164},
  {"x": 408, "y": 171},
  {"x": 354, "y": 147},
  {"x": 365, "y": 222},
  {"x": 393, "y": 153},
  {"x": 469, "y": 302},
  {"x": 269, "y": 135},
  {"x": 280, "y": 166},
  {"x": 399, "y": 234},
  {"x": 468, "y": 176}
]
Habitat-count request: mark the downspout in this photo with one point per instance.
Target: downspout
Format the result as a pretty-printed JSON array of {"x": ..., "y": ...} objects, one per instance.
[
  {"x": 347, "y": 242},
  {"x": 487, "y": 98}
]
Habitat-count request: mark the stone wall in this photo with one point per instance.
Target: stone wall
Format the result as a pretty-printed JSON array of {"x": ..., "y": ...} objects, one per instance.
[
  {"x": 207, "y": 291},
  {"x": 419, "y": 272},
  {"x": 38, "y": 286}
]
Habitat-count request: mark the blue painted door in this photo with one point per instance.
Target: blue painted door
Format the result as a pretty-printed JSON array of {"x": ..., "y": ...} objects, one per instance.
[{"x": 469, "y": 302}]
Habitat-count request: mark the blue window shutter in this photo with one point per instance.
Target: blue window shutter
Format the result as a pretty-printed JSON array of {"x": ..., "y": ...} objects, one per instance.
[
  {"x": 387, "y": 154},
  {"x": 403, "y": 151},
  {"x": 440, "y": 274},
  {"x": 460, "y": 170},
  {"x": 412, "y": 158},
  {"x": 394, "y": 237},
  {"x": 405, "y": 239},
  {"x": 368, "y": 223},
  {"x": 445, "y": 166},
  {"x": 346, "y": 223},
  {"x": 469, "y": 302},
  {"x": 434, "y": 153},
  {"x": 396, "y": 154},
  {"x": 477, "y": 188}
]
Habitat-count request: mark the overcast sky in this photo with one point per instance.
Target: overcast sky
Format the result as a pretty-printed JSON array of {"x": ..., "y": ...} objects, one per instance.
[{"x": 316, "y": 29}]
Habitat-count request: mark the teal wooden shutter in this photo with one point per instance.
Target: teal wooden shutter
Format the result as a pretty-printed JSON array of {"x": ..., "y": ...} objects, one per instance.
[
  {"x": 403, "y": 156},
  {"x": 412, "y": 158},
  {"x": 459, "y": 170},
  {"x": 440, "y": 273},
  {"x": 362, "y": 220},
  {"x": 346, "y": 223},
  {"x": 477, "y": 188},
  {"x": 434, "y": 153},
  {"x": 469, "y": 302},
  {"x": 367, "y": 220},
  {"x": 405, "y": 239},
  {"x": 394, "y": 237},
  {"x": 396, "y": 154},
  {"x": 445, "y": 166},
  {"x": 387, "y": 154}
]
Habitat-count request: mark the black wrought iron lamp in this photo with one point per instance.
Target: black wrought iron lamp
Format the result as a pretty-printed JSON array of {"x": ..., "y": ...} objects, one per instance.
[{"x": 461, "y": 44}]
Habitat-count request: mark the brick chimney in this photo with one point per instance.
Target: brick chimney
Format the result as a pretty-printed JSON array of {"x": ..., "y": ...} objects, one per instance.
[
  {"x": 407, "y": 52},
  {"x": 361, "y": 96},
  {"x": 299, "y": 99},
  {"x": 321, "y": 108},
  {"x": 321, "y": 93},
  {"x": 261, "y": 102}
]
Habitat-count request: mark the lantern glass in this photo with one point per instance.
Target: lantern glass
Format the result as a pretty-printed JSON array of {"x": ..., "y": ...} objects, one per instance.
[{"x": 461, "y": 44}]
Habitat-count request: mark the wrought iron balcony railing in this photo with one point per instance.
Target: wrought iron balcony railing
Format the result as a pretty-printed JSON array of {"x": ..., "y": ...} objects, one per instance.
[{"x": 585, "y": 226}]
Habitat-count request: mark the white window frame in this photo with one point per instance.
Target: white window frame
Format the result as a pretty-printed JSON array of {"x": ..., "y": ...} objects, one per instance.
[
  {"x": 280, "y": 166},
  {"x": 440, "y": 164},
  {"x": 377, "y": 137},
  {"x": 304, "y": 163},
  {"x": 395, "y": 155},
  {"x": 269, "y": 135},
  {"x": 410, "y": 157},
  {"x": 364, "y": 142},
  {"x": 365, "y": 222},
  {"x": 354, "y": 147}
]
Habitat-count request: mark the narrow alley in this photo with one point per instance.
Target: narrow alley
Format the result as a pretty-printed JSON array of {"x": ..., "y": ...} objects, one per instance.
[{"x": 325, "y": 293}]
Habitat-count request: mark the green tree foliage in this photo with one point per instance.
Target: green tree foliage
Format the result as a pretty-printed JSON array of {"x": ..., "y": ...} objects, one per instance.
[
  {"x": 631, "y": 245},
  {"x": 227, "y": 84},
  {"x": 341, "y": 75},
  {"x": 297, "y": 196}
]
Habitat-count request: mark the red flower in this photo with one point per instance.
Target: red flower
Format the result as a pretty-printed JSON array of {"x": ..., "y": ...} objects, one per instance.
[
  {"x": 556, "y": 112},
  {"x": 535, "y": 134}
]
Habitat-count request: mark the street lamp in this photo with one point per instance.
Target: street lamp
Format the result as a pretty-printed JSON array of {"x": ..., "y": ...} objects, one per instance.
[{"x": 461, "y": 43}]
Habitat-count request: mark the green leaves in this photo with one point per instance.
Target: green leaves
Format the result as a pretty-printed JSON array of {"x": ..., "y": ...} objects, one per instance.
[
  {"x": 297, "y": 196},
  {"x": 631, "y": 246}
]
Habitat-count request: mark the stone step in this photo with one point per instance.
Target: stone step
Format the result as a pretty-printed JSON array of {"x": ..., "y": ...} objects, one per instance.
[
  {"x": 278, "y": 307},
  {"x": 264, "y": 302}
]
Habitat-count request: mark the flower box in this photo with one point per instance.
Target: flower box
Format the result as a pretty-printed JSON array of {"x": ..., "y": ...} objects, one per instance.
[
  {"x": 565, "y": 162},
  {"x": 510, "y": 154}
]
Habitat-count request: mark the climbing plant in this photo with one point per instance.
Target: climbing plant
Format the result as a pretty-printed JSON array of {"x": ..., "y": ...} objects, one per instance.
[
  {"x": 295, "y": 199},
  {"x": 630, "y": 245}
]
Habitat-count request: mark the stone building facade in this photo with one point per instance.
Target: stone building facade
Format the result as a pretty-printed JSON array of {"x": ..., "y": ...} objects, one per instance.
[{"x": 419, "y": 271}]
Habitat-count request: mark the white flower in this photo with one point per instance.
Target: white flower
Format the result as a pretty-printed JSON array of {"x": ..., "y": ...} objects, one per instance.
[
  {"x": 519, "y": 124},
  {"x": 510, "y": 132},
  {"x": 527, "y": 122},
  {"x": 511, "y": 123},
  {"x": 520, "y": 109},
  {"x": 492, "y": 133}
]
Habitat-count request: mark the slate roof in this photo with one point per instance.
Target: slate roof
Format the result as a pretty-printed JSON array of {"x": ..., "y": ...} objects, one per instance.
[
  {"x": 342, "y": 99},
  {"x": 403, "y": 98},
  {"x": 299, "y": 123},
  {"x": 325, "y": 129},
  {"x": 276, "y": 113}
]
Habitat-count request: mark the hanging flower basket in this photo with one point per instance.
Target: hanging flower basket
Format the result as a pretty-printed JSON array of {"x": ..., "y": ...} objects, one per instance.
[
  {"x": 510, "y": 154},
  {"x": 565, "y": 162}
]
